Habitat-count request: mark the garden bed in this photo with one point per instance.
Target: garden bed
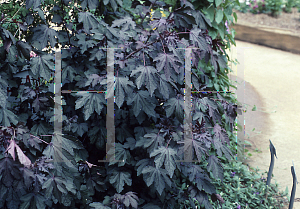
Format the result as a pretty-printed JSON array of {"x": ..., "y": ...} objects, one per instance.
[
  {"x": 281, "y": 33},
  {"x": 288, "y": 22}
]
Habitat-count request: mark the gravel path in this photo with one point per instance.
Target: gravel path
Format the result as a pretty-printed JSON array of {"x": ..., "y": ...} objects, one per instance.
[{"x": 272, "y": 78}]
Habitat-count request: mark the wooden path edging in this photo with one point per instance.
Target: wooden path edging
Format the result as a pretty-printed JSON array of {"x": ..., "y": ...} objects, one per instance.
[{"x": 267, "y": 37}]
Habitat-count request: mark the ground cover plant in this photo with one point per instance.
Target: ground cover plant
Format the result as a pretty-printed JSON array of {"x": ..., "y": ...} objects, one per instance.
[{"x": 42, "y": 169}]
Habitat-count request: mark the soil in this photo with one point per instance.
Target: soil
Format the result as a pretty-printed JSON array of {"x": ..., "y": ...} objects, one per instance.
[{"x": 285, "y": 21}]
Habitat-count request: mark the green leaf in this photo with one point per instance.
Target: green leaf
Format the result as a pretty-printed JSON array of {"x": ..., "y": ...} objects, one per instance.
[
  {"x": 164, "y": 87},
  {"x": 158, "y": 176},
  {"x": 219, "y": 16},
  {"x": 235, "y": 16},
  {"x": 168, "y": 157},
  {"x": 90, "y": 102},
  {"x": 197, "y": 175},
  {"x": 254, "y": 108},
  {"x": 40, "y": 103},
  {"x": 122, "y": 85},
  {"x": 119, "y": 178},
  {"x": 89, "y": 21},
  {"x": 210, "y": 13},
  {"x": 147, "y": 76},
  {"x": 218, "y": 2},
  {"x": 42, "y": 66}
]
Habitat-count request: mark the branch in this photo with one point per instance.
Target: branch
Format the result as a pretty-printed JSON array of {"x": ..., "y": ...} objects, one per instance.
[
  {"x": 132, "y": 53},
  {"x": 15, "y": 13},
  {"x": 39, "y": 139}
]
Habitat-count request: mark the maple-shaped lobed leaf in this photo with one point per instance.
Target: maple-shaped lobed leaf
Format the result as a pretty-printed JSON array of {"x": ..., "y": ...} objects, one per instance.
[
  {"x": 143, "y": 102},
  {"x": 126, "y": 22},
  {"x": 93, "y": 79},
  {"x": 43, "y": 34},
  {"x": 7, "y": 38},
  {"x": 119, "y": 154},
  {"x": 92, "y": 4},
  {"x": 158, "y": 176},
  {"x": 182, "y": 19},
  {"x": 43, "y": 66},
  {"x": 168, "y": 157},
  {"x": 130, "y": 198},
  {"x": 165, "y": 61},
  {"x": 25, "y": 48},
  {"x": 98, "y": 205},
  {"x": 198, "y": 40},
  {"x": 68, "y": 73},
  {"x": 7, "y": 117},
  {"x": 90, "y": 102},
  {"x": 200, "y": 196},
  {"x": 122, "y": 85},
  {"x": 40, "y": 103},
  {"x": 22, "y": 157},
  {"x": 9, "y": 170},
  {"x": 89, "y": 21},
  {"x": 215, "y": 167},
  {"x": 221, "y": 134},
  {"x": 33, "y": 200},
  {"x": 147, "y": 76},
  {"x": 175, "y": 105},
  {"x": 84, "y": 43},
  {"x": 119, "y": 178}
]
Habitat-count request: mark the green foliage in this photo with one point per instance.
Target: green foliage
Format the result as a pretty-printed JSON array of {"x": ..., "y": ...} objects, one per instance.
[
  {"x": 247, "y": 189},
  {"x": 275, "y": 7},
  {"x": 289, "y": 5},
  {"x": 57, "y": 171}
]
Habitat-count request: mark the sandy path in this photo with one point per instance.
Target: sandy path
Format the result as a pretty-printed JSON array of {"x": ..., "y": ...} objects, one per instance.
[{"x": 271, "y": 79}]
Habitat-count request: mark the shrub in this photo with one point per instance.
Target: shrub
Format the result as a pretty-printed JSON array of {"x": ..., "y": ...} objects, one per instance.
[
  {"x": 289, "y": 5},
  {"x": 275, "y": 7},
  {"x": 42, "y": 169},
  {"x": 258, "y": 7}
]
